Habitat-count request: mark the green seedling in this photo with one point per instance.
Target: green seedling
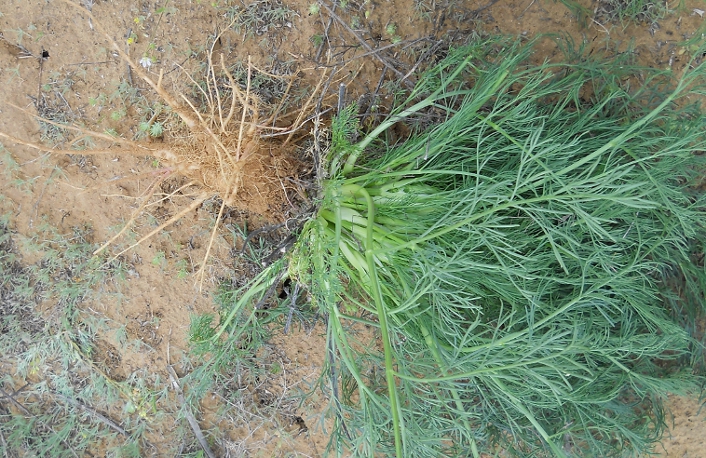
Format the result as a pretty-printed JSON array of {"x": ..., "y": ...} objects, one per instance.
[
  {"x": 391, "y": 31},
  {"x": 317, "y": 40}
]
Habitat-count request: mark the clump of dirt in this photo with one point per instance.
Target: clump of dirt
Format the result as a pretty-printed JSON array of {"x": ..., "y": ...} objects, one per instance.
[
  {"x": 109, "y": 359},
  {"x": 145, "y": 327}
]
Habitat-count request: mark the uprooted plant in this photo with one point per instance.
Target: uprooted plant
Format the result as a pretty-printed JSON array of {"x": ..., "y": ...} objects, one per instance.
[{"x": 515, "y": 259}]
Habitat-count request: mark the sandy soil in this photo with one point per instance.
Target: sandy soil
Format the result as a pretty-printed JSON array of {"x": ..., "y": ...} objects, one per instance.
[{"x": 78, "y": 82}]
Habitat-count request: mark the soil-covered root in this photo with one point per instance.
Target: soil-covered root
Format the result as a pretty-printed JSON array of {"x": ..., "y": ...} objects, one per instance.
[{"x": 220, "y": 150}]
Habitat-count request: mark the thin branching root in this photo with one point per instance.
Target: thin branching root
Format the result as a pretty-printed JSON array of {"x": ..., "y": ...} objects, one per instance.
[{"x": 227, "y": 149}]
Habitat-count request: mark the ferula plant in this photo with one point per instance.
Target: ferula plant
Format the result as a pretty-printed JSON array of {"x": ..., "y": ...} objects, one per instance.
[{"x": 520, "y": 258}]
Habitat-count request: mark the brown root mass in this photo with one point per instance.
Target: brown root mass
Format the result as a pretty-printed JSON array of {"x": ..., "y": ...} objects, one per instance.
[
  {"x": 221, "y": 151},
  {"x": 256, "y": 182}
]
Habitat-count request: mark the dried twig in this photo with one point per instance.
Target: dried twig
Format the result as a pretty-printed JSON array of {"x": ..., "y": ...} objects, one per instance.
[
  {"x": 24, "y": 409},
  {"x": 93, "y": 412},
  {"x": 368, "y": 48},
  {"x": 426, "y": 54},
  {"x": 187, "y": 413},
  {"x": 486, "y": 6},
  {"x": 326, "y": 29},
  {"x": 3, "y": 442},
  {"x": 406, "y": 43},
  {"x": 11, "y": 398}
]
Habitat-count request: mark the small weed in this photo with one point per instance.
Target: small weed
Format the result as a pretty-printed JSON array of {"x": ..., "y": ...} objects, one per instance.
[
  {"x": 21, "y": 34},
  {"x": 117, "y": 115},
  {"x": 14, "y": 73},
  {"x": 154, "y": 118},
  {"x": 425, "y": 9},
  {"x": 132, "y": 39},
  {"x": 140, "y": 22},
  {"x": 260, "y": 17},
  {"x": 24, "y": 184},
  {"x": 112, "y": 132},
  {"x": 391, "y": 31},
  {"x": 607, "y": 11},
  {"x": 10, "y": 165},
  {"x": 182, "y": 269},
  {"x": 99, "y": 101},
  {"x": 61, "y": 84},
  {"x": 160, "y": 260},
  {"x": 154, "y": 130},
  {"x": 53, "y": 108},
  {"x": 63, "y": 403},
  {"x": 317, "y": 40}
]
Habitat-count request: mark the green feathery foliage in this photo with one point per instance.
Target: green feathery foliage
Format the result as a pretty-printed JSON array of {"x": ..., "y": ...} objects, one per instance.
[{"x": 517, "y": 258}]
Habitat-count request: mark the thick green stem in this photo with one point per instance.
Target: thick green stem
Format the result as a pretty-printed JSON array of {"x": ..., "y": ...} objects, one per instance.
[{"x": 382, "y": 318}]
